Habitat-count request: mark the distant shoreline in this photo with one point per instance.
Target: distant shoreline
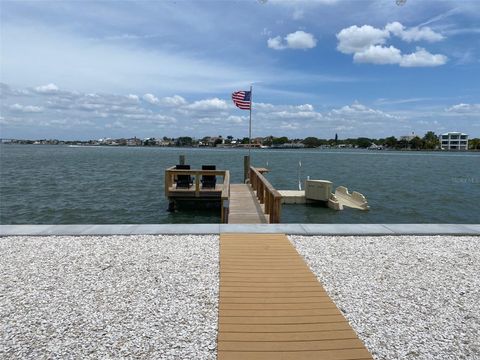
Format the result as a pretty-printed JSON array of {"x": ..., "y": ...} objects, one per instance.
[{"x": 245, "y": 147}]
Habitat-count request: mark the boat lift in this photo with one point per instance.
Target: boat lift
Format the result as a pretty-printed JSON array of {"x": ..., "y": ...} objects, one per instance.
[{"x": 320, "y": 191}]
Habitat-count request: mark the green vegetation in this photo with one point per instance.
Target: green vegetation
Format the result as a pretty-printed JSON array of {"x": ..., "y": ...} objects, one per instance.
[{"x": 474, "y": 144}]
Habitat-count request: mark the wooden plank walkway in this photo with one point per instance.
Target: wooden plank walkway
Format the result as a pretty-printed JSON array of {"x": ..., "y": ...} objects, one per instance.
[
  {"x": 272, "y": 306},
  {"x": 244, "y": 207}
]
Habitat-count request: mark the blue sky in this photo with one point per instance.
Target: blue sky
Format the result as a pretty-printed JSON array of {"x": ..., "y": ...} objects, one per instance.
[{"x": 82, "y": 70}]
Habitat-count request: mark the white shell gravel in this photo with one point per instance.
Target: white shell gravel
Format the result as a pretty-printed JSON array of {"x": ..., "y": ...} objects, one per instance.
[
  {"x": 409, "y": 297},
  {"x": 144, "y": 297}
]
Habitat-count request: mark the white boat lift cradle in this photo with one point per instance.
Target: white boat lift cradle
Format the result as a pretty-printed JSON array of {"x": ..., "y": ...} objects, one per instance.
[{"x": 321, "y": 191}]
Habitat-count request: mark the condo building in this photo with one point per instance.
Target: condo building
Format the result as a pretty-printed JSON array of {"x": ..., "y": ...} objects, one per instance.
[{"x": 454, "y": 141}]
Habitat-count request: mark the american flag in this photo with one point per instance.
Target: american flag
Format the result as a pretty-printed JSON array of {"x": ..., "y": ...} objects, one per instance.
[{"x": 242, "y": 99}]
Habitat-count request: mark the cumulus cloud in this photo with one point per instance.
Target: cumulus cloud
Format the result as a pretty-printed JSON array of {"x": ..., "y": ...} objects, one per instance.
[
  {"x": 235, "y": 119},
  {"x": 275, "y": 43},
  {"x": 305, "y": 107},
  {"x": 305, "y": 115},
  {"x": 175, "y": 100},
  {"x": 422, "y": 57},
  {"x": 7, "y": 91},
  {"x": 359, "y": 111},
  {"x": 296, "y": 40},
  {"x": 133, "y": 98},
  {"x": 414, "y": 33},
  {"x": 47, "y": 89},
  {"x": 377, "y": 54},
  {"x": 118, "y": 115},
  {"x": 208, "y": 104},
  {"x": 150, "y": 98},
  {"x": 354, "y": 39},
  {"x": 26, "y": 108},
  {"x": 368, "y": 45}
]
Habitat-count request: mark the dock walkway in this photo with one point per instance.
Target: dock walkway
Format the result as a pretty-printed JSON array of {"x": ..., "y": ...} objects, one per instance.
[
  {"x": 271, "y": 305},
  {"x": 244, "y": 206}
]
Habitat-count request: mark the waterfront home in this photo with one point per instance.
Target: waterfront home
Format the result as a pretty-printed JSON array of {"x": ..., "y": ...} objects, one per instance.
[{"x": 454, "y": 141}]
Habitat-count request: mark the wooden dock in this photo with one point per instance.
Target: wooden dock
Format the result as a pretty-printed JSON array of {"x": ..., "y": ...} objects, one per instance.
[
  {"x": 271, "y": 305},
  {"x": 244, "y": 207}
]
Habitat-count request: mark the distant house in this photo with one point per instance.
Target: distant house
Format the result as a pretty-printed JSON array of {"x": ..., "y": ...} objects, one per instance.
[
  {"x": 375, "y": 147},
  {"x": 454, "y": 141}
]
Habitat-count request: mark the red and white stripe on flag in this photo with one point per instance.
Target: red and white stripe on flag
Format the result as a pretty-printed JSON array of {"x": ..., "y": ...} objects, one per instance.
[{"x": 242, "y": 99}]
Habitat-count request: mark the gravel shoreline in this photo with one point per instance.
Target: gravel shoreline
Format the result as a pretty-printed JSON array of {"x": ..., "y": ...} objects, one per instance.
[
  {"x": 156, "y": 297},
  {"x": 409, "y": 297},
  {"x": 148, "y": 297}
]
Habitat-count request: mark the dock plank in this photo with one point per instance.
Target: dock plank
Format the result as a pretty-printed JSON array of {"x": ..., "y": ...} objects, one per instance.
[
  {"x": 244, "y": 207},
  {"x": 271, "y": 306}
]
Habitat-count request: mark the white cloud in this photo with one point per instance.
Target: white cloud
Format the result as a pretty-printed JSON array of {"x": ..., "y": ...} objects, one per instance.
[
  {"x": 175, "y": 100},
  {"x": 26, "y": 108},
  {"x": 164, "y": 119},
  {"x": 463, "y": 108},
  {"x": 367, "y": 44},
  {"x": 133, "y": 98},
  {"x": 235, "y": 119},
  {"x": 377, "y": 54},
  {"x": 422, "y": 57},
  {"x": 275, "y": 43},
  {"x": 290, "y": 125},
  {"x": 358, "y": 111},
  {"x": 150, "y": 98},
  {"x": 354, "y": 39},
  {"x": 124, "y": 118},
  {"x": 115, "y": 125},
  {"x": 305, "y": 107},
  {"x": 305, "y": 115},
  {"x": 263, "y": 106},
  {"x": 208, "y": 104},
  {"x": 414, "y": 33},
  {"x": 296, "y": 40},
  {"x": 47, "y": 89}
]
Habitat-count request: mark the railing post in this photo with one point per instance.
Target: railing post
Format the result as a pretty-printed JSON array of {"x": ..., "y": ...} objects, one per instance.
[
  {"x": 261, "y": 193},
  {"x": 267, "y": 202},
  {"x": 278, "y": 208},
  {"x": 197, "y": 184}
]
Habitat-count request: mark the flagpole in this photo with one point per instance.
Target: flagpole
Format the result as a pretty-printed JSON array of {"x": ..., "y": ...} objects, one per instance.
[{"x": 250, "y": 124}]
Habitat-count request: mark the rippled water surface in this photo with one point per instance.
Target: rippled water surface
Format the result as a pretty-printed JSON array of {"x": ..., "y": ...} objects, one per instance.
[{"x": 43, "y": 184}]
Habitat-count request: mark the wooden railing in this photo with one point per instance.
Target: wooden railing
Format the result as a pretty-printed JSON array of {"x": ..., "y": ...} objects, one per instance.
[
  {"x": 172, "y": 172},
  {"x": 266, "y": 195}
]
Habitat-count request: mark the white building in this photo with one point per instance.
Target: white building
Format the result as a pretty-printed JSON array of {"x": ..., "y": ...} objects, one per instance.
[{"x": 454, "y": 141}]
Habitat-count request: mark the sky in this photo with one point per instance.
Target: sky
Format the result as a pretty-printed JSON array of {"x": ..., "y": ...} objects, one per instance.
[{"x": 96, "y": 69}]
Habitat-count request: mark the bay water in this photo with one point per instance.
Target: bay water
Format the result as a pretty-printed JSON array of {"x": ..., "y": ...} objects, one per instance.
[{"x": 42, "y": 184}]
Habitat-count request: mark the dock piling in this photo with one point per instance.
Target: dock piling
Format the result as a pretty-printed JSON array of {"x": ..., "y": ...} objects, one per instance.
[{"x": 246, "y": 167}]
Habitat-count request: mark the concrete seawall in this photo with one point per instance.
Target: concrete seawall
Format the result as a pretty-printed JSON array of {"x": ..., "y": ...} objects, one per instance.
[{"x": 202, "y": 229}]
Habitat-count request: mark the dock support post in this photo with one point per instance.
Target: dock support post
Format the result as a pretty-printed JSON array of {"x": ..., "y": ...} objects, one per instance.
[
  {"x": 181, "y": 160},
  {"x": 246, "y": 167}
]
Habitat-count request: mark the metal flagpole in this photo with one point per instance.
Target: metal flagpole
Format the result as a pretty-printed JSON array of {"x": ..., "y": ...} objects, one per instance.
[{"x": 250, "y": 124}]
